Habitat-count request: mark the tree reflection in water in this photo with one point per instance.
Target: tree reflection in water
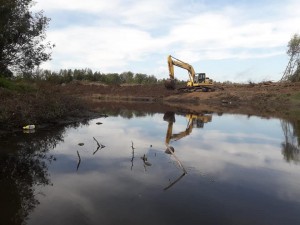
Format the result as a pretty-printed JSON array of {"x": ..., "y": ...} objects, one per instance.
[
  {"x": 290, "y": 146},
  {"x": 23, "y": 167}
]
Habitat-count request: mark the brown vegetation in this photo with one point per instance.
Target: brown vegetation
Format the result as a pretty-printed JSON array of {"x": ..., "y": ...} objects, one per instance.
[
  {"x": 48, "y": 104},
  {"x": 43, "y": 104}
]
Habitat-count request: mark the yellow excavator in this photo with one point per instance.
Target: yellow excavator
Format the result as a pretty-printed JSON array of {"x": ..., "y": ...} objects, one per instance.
[
  {"x": 194, "y": 120},
  {"x": 196, "y": 80}
]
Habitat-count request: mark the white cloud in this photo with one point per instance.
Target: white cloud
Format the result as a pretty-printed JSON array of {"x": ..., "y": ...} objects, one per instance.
[
  {"x": 147, "y": 14},
  {"x": 93, "y": 6},
  {"x": 127, "y": 32},
  {"x": 104, "y": 47}
]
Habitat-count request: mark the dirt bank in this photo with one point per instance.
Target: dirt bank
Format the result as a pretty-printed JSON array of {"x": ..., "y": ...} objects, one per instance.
[
  {"x": 263, "y": 98},
  {"x": 50, "y": 104}
]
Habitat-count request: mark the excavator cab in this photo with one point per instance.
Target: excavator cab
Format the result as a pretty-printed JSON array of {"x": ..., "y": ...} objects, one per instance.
[{"x": 201, "y": 77}]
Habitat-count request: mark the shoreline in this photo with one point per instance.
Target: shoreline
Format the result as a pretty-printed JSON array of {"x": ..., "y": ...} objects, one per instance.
[{"x": 80, "y": 101}]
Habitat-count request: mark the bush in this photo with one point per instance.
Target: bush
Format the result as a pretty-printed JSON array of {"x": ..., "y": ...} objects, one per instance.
[{"x": 19, "y": 86}]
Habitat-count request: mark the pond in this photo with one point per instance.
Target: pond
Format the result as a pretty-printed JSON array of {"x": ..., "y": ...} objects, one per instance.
[{"x": 225, "y": 169}]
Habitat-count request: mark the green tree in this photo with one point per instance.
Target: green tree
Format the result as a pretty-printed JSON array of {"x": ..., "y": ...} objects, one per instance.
[
  {"x": 127, "y": 77},
  {"x": 140, "y": 78},
  {"x": 112, "y": 78},
  {"x": 22, "y": 37},
  {"x": 98, "y": 76},
  {"x": 151, "y": 79}
]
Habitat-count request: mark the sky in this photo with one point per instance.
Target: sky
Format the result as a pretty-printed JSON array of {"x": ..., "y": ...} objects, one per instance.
[{"x": 237, "y": 41}]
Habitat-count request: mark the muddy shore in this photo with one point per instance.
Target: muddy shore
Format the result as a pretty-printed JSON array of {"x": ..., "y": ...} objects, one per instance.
[
  {"x": 263, "y": 99},
  {"x": 269, "y": 99}
]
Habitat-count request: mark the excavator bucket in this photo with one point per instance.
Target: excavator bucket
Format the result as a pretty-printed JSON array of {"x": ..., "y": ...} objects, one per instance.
[
  {"x": 169, "y": 117},
  {"x": 170, "y": 84}
]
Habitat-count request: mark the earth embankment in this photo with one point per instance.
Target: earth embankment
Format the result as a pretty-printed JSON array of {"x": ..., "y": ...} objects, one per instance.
[{"x": 263, "y": 98}]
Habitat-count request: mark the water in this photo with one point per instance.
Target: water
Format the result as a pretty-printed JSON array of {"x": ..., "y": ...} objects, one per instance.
[{"x": 240, "y": 170}]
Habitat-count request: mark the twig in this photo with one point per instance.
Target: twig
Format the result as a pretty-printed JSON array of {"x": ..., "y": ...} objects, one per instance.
[
  {"x": 178, "y": 161},
  {"x": 97, "y": 142},
  {"x": 100, "y": 146},
  {"x": 174, "y": 182},
  {"x": 79, "y": 161},
  {"x": 132, "y": 158},
  {"x": 96, "y": 150}
]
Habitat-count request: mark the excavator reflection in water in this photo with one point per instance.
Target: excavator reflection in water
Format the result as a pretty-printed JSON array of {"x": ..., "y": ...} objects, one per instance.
[{"x": 194, "y": 120}]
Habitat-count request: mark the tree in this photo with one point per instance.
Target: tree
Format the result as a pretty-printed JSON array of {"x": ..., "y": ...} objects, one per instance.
[
  {"x": 292, "y": 71},
  {"x": 140, "y": 78},
  {"x": 113, "y": 78},
  {"x": 290, "y": 146},
  {"x": 22, "y": 37},
  {"x": 127, "y": 77}
]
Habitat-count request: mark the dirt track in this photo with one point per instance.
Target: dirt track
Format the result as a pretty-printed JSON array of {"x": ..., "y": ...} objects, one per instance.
[{"x": 233, "y": 94}]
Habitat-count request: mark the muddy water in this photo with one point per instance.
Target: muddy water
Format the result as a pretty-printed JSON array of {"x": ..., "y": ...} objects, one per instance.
[{"x": 227, "y": 169}]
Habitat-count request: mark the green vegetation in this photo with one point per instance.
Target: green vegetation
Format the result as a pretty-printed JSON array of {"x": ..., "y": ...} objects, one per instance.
[
  {"x": 66, "y": 76},
  {"x": 17, "y": 85},
  {"x": 22, "y": 37},
  {"x": 296, "y": 96}
]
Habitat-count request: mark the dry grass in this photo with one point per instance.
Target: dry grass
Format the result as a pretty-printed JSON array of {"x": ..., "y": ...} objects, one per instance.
[{"x": 44, "y": 104}]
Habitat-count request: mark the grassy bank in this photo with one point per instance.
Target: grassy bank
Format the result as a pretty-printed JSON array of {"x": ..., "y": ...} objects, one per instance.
[{"x": 25, "y": 103}]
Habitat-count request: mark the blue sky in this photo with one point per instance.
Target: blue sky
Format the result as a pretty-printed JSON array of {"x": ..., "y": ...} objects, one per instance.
[{"x": 237, "y": 41}]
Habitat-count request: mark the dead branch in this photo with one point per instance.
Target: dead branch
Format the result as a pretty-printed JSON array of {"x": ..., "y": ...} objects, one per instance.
[
  {"x": 132, "y": 157},
  {"x": 96, "y": 150},
  {"x": 174, "y": 182},
  {"x": 79, "y": 161},
  {"x": 178, "y": 161},
  {"x": 100, "y": 146},
  {"x": 97, "y": 142}
]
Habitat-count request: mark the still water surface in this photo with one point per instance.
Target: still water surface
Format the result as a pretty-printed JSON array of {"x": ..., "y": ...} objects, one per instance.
[{"x": 240, "y": 170}]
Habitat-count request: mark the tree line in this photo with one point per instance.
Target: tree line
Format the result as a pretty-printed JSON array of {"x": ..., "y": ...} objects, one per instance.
[{"x": 69, "y": 75}]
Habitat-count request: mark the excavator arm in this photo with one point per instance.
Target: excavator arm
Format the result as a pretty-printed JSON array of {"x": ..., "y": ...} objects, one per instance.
[{"x": 172, "y": 61}]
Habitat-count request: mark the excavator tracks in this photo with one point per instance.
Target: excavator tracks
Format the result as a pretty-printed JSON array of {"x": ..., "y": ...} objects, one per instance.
[{"x": 198, "y": 89}]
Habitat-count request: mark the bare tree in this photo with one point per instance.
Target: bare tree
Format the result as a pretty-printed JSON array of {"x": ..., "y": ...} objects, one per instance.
[{"x": 292, "y": 71}]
